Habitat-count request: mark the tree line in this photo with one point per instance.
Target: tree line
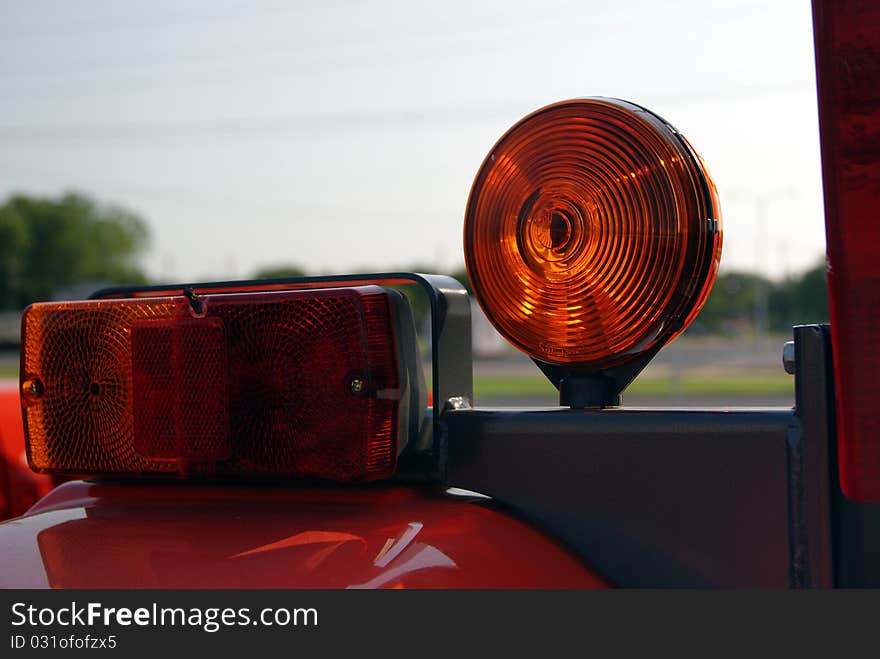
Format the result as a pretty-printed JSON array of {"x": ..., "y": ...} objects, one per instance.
[
  {"x": 47, "y": 244},
  {"x": 745, "y": 300}
]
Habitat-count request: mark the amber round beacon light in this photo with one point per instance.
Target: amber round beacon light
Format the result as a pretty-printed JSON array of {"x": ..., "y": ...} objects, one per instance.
[{"x": 592, "y": 237}]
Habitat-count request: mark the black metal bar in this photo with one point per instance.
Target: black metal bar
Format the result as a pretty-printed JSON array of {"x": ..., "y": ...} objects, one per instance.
[
  {"x": 843, "y": 536},
  {"x": 798, "y": 543},
  {"x": 726, "y": 497},
  {"x": 649, "y": 497},
  {"x": 855, "y": 525},
  {"x": 814, "y": 395}
]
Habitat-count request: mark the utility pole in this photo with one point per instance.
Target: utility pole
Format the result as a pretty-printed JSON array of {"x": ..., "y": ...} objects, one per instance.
[
  {"x": 762, "y": 295},
  {"x": 762, "y": 204}
]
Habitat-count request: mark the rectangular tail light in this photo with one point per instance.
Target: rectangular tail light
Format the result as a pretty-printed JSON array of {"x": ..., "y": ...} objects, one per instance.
[{"x": 305, "y": 384}]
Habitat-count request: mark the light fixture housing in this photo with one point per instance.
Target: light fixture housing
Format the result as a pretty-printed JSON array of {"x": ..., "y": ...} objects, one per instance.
[{"x": 592, "y": 238}]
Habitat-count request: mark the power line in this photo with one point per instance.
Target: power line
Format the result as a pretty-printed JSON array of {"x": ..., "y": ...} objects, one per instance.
[
  {"x": 273, "y": 126},
  {"x": 322, "y": 65},
  {"x": 337, "y": 39},
  {"x": 248, "y": 207},
  {"x": 93, "y": 27},
  {"x": 243, "y": 126}
]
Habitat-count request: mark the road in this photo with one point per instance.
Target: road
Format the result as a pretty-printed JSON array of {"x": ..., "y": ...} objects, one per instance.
[{"x": 701, "y": 357}]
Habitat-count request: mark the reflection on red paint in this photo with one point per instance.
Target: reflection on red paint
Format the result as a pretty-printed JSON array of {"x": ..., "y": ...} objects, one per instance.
[
  {"x": 174, "y": 536},
  {"x": 20, "y": 488},
  {"x": 304, "y": 538}
]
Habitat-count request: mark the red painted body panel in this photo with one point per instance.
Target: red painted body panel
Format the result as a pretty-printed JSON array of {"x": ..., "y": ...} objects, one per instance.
[
  {"x": 20, "y": 488},
  {"x": 160, "y": 535}
]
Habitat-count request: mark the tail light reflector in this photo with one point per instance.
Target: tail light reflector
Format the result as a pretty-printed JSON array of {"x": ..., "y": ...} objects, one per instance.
[{"x": 283, "y": 384}]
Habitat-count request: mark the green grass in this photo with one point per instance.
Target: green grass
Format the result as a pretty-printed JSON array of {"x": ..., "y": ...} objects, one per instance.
[
  {"x": 763, "y": 385},
  {"x": 497, "y": 387},
  {"x": 693, "y": 386}
]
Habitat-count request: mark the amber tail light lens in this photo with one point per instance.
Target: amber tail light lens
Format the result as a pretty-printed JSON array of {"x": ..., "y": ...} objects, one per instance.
[
  {"x": 283, "y": 384},
  {"x": 592, "y": 234}
]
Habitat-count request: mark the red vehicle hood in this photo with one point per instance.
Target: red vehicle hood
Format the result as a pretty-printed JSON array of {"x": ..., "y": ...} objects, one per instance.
[{"x": 160, "y": 535}]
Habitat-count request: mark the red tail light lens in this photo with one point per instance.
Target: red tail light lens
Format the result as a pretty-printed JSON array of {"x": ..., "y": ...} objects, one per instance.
[
  {"x": 176, "y": 366},
  {"x": 288, "y": 384},
  {"x": 848, "y": 77},
  {"x": 592, "y": 233}
]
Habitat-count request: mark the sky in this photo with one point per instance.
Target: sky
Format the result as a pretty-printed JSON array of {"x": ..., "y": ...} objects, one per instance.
[{"x": 344, "y": 136}]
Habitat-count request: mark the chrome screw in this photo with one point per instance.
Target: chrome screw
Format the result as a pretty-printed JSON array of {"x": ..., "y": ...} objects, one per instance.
[{"x": 32, "y": 388}]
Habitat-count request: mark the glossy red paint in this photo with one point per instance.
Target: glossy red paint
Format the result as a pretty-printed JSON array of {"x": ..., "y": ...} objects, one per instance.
[
  {"x": 20, "y": 488},
  {"x": 161, "y": 535}
]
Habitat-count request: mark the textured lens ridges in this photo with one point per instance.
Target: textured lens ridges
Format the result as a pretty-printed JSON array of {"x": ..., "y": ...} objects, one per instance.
[
  {"x": 287, "y": 384},
  {"x": 180, "y": 389},
  {"x": 81, "y": 354},
  {"x": 592, "y": 233},
  {"x": 293, "y": 409}
]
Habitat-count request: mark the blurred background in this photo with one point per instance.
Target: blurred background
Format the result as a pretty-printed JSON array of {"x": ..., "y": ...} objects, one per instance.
[{"x": 157, "y": 141}]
